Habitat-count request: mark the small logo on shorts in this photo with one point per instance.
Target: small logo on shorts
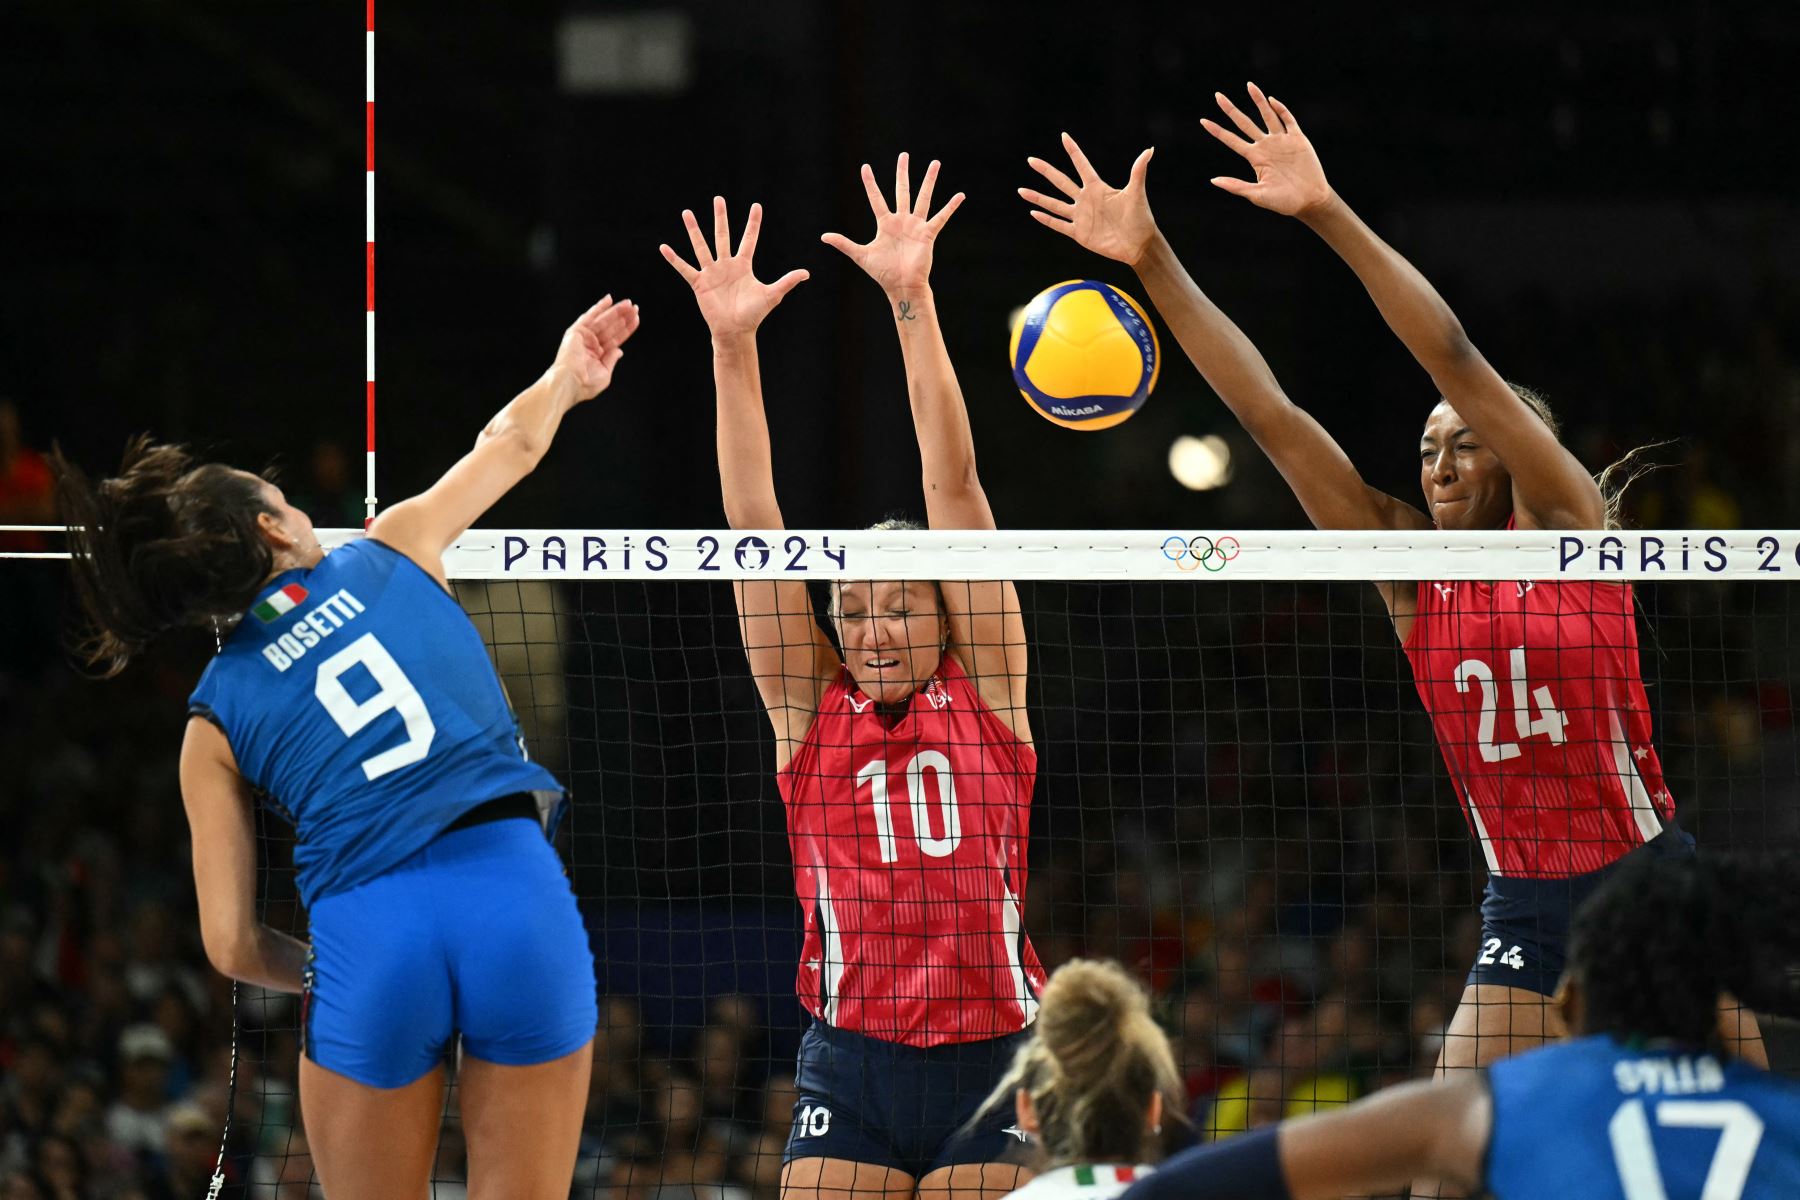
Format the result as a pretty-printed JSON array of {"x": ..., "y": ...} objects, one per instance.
[
  {"x": 812, "y": 1121},
  {"x": 1017, "y": 1132}
]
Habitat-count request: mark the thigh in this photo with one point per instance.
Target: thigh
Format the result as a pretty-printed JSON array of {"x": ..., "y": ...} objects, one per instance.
[
  {"x": 1490, "y": 1023},
  {"x": 367, "y": 1141},
  {"x": 1493, "y": 1022},
  {"x": 1740, "y": 1033},
  {"x": 845, "y": 1110},
  {"x": 523, "y": 1124},
  {"x": 973, "y": 1181},
  {"x": 843, "y": 1179}
]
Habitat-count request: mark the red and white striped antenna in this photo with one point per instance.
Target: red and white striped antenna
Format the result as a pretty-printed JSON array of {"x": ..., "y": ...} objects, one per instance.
[{"x": 369, "y": 268}]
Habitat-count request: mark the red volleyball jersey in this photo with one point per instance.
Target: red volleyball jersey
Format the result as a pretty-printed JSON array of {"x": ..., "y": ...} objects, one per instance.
[
  {"x": 1534, "y": 692},
  {"x": 908, "y": 835}
]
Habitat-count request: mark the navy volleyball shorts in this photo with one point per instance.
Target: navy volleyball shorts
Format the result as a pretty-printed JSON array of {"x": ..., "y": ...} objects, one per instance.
[
  {"x": 477, "y": 934},
  {"x": 1525, "y": 922},
  {"x": 905, "y": 1107}
]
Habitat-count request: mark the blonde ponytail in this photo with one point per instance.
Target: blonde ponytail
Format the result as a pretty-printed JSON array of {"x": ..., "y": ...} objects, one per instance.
[{"x": 1094, "y": 1060}]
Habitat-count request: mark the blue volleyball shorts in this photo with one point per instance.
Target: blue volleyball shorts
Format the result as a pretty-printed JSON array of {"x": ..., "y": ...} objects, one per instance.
[
  {"x": 477, "y": 934},
  {"x": 905, "y": 1107},
  {"x": 1525, "y": 922}
]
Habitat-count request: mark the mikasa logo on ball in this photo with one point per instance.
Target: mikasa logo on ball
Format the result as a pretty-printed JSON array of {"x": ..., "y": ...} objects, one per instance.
[{"x": 1084, "y": 355}]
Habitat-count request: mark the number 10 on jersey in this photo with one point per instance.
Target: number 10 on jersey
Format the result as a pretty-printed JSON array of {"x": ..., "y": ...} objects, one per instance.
[{"x": 875, "y": 774}]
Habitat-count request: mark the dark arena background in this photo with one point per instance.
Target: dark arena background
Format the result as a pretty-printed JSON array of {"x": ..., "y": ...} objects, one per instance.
[{"x": 1239, "y": 796}]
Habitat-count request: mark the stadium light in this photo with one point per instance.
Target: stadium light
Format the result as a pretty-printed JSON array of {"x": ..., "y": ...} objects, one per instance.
[{"x": 1200, "y": 463}]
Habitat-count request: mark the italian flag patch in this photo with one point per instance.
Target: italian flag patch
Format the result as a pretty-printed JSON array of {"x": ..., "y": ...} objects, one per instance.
[
  {"x": 1088, "y": 1176},
  {"x": 280, "y": 601}
]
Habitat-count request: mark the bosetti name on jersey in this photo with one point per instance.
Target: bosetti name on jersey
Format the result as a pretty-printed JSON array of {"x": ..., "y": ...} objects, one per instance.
[{"x": 321, "y": 622}]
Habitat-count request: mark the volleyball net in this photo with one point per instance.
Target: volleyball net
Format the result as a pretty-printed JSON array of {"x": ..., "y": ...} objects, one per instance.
[{"x": 1238, "y": 795}]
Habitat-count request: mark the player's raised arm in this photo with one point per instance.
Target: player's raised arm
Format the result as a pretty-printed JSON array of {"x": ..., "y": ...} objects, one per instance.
[
  {"x": 790, "y": 656},
  {"x": 986, "y": 627},
  {"x": 1117, "y": 223},
  {"x": 1553, "y": 489},
  {"x": 514, "y": 441}
]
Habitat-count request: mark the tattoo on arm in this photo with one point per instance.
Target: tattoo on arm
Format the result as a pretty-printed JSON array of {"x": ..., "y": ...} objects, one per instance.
[{"x": 906, "y": 313}]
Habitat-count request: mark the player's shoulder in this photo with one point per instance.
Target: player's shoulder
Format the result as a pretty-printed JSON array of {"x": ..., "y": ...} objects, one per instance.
[
  {"x": 1573, "y": 1062},
  {"x": 363, "y": 555}
]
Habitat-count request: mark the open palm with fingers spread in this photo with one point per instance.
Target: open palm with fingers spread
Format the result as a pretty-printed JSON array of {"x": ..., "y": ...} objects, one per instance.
[
  {"x": 1289, "y": 177},
  {"x": 731, "y": 298},
  {"x": 898, "y": 257},
  {"x": 1110, "y": 221}
]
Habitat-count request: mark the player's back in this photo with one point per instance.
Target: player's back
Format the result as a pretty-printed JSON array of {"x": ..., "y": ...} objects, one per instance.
[
  {"x": 1595, "y": 1119},
  {"x": 358, "y": 696}
]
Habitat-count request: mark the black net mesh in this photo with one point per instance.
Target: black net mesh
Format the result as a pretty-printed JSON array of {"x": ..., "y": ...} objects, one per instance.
[{"x": 1238, "y": 796}]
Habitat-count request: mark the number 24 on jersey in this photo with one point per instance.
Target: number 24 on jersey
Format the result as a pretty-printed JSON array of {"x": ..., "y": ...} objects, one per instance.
[{"x": 1549, "y": 720}]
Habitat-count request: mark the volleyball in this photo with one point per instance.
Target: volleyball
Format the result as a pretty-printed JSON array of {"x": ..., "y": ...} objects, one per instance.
[{"x": 1084, "y": 354}]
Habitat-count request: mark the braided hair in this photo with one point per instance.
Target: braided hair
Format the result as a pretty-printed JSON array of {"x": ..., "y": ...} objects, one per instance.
[{"x": 1658, "y": 943}]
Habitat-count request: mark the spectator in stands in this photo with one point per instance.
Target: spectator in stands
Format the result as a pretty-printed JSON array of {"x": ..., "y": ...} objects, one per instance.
[
  {"x": 192, "y": 1148},
  {"x": 137, "y": 1121},
  {"x": 26, "y": 489}
]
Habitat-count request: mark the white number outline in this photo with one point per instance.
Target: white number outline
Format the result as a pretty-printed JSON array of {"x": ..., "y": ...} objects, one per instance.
[
  {"x": 875, "y": 774},
  {"x": 1740, "y": 1132},
  {"x": 1550, "y": 721},
  {"x": 396, "y": 694},
  {"x": 1514, "y": 956}
]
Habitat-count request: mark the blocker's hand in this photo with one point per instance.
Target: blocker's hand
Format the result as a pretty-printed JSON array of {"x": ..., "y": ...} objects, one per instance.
[
  {"x": 731, "y": 298},
  {"x": 592, "y": 346},
  {"x": 898, "y": 257},
  {"x": 1114, "y": 222},
  {"x": 1289, "y": 178}
]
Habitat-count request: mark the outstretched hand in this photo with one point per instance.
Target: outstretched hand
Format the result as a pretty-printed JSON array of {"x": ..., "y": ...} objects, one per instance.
[
  {"x": 591, "y": 347},
  {"x": 1114, "y": 222},
  {"x": 898, "y": 257},
  {"x": 731, "y": 298},
  {"x": 1289, "y": 178}
]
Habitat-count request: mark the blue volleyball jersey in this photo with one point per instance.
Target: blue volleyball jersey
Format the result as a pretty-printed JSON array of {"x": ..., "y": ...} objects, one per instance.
[
  {"x": 1593, "y": 1119},
  {"x": 360, "y": 699}
]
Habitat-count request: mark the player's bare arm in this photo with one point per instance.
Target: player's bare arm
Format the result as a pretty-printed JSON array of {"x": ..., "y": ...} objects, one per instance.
[
  {"x": 790, "y": 656},
  {"x": 513, "y": 443},
  {"x": 1390, "y": 1139},
  {"x": 1552, "y": 488},
  {"x": 987, "y": 631},
  {"x": 223, "y": 826},
  {"x": 1117, "y": 223}
]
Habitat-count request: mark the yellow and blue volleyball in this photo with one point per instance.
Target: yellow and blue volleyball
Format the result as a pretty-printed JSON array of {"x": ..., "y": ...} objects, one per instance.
[{"x": 1084, "y": 354}]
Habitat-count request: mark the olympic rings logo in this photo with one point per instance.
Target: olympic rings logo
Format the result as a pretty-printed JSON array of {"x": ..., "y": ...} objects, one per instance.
[{"x": 1190, "y": 554}]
